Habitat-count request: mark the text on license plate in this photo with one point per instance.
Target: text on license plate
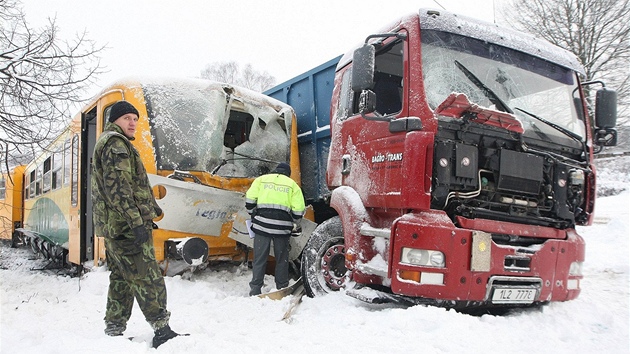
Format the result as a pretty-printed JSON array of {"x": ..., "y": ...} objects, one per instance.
[{"x": 513, "y": 295}]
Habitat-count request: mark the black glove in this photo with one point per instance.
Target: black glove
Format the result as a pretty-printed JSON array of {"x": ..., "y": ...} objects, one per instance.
[
  {"x": 297, "y": 230},
  {"x": 141, "y": 234},
  {"x": 158, "y": 211}
]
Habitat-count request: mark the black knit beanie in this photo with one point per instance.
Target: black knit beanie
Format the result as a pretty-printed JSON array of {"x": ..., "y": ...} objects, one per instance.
[
  {"x": 121, "y": 108},
  {"x": 283, "y": 169}
]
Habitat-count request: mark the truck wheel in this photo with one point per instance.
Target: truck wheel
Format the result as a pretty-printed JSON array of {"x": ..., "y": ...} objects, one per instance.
[{"x": 323, "y": 259}]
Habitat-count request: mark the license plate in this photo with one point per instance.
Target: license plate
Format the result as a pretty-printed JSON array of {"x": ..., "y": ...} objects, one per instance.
[{"x": 513, "y": 296}]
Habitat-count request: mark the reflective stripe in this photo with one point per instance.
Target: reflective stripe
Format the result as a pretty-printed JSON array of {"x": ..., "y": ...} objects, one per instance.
[
  {"x": 274, "y": 221},
  {"x": 257, "y": 227},
  {"x": 275, "y": 206}
]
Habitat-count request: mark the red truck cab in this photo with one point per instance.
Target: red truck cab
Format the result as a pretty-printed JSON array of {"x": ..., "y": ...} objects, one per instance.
[{"x": 460, "y": 162}]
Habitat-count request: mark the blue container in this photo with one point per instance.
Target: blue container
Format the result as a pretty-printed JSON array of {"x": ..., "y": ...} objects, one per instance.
[{"x": 310, "y": 94}]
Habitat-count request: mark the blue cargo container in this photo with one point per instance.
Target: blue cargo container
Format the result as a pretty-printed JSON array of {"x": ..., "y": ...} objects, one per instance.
[{"x": 310, "y": 94}]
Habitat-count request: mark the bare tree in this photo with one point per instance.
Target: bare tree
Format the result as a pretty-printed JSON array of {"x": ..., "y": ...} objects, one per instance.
[
  {"x": 231, "y": 73},
  {"x": 223, "y": 72},
  {"x": 42, "y": 78},
  {"x": 596, "y": 31}
]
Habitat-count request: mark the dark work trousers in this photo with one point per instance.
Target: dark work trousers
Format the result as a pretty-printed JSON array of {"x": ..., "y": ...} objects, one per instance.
[{"x": 262, "y": 245}]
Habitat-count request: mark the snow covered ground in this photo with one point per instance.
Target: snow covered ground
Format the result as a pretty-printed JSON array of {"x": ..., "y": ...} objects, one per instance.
[{"x": 43, "y": 313}]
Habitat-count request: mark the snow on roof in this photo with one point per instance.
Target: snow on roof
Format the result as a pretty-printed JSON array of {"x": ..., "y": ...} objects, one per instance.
[
  {"x": 441, "y": 20},
  {"x": 490, "y": 32}
]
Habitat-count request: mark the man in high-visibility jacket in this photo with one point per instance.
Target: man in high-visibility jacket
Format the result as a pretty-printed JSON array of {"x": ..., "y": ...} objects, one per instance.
[{"x": 276, "y": 205}]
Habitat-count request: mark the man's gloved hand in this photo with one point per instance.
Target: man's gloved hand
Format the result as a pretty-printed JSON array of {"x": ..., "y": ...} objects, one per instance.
[
  {"x": 141, "y": 234},
  {"x": 158, "y": 211},
  {"x": 297, "y": 230}
]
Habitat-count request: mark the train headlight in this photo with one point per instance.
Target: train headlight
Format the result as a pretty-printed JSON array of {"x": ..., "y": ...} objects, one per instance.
[
  {"x": 421, "y": 257},
  {"x": 575, "y": 268}
]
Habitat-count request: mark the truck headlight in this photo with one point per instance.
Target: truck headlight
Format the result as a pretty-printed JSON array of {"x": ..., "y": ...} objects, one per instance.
[
  {"x": 420, "y": 257},
  {"x": 576, "y": 177},
  {"x": 575, "y": 268}
]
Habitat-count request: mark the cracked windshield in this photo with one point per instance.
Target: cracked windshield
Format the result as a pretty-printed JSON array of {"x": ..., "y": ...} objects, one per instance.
[
  {"x": 503, "y": 79},
  {"x": 202, "y": 127}
]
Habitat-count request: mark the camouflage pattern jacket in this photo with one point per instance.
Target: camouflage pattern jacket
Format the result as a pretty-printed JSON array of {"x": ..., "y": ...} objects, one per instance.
[{"x": 122, "y": 197}]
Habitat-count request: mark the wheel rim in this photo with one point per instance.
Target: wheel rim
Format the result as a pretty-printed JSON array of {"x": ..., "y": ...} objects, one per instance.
[{"x": 333, "y": 267}]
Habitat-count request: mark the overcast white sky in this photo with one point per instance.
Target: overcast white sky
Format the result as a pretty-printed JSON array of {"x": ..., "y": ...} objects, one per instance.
[{"x": 179, "y": 38}]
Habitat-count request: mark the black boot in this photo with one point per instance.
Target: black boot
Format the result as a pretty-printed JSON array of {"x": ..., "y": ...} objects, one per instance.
[
  {"x": 162, "y": 335},
  {"x": 114, "y": 329}
]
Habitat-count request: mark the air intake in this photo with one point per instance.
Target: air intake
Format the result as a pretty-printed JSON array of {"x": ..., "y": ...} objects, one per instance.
[{"x": 520, "y": 172}]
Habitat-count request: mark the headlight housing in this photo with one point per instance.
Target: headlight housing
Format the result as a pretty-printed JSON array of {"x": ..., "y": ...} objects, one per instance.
[
  {"x": 422, "y": 257},
  {"x": 575, "y": 269}
]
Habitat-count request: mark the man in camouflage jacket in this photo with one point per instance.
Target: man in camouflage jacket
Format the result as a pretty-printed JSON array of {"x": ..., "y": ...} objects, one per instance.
[{"x": 123, "y": 210}]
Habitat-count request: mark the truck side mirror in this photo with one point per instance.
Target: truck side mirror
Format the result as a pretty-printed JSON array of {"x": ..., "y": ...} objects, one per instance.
[
  {"x": 606, "y": 137},
  {"x": 367, "y": 102},
  {"x": 605, "y": 117},
  {"x": 363, "y": 68},
  {"x": 605, "y": 108}
]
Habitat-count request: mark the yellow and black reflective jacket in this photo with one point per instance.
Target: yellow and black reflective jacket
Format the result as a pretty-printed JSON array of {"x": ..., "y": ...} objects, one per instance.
[{"x": 274, "y": 202}]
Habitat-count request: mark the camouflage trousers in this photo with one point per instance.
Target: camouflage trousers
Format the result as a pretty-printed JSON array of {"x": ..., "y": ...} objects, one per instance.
[{"x": 134, "y": 275}]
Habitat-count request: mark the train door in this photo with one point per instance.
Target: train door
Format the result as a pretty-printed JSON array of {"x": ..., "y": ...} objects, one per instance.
[
  {"x": 88, "y": 141},
  {"x": 93, "y": 124}
]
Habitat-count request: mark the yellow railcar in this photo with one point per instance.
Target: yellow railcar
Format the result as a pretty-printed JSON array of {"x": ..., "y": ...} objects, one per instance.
[
  {"x": 202, "y": 144},
  {"x": 11, "y": 202}
]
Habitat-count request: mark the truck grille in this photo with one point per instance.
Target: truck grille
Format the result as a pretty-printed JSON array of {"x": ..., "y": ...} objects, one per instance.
[{"x": 517, "y": 263}]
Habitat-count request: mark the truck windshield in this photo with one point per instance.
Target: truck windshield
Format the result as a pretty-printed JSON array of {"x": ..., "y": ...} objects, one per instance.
[
  {"x": 204, "y": 126},
  {"x": 524, "y": 83}
]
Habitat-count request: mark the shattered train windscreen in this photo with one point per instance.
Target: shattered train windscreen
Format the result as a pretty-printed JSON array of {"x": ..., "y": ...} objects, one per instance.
[{"x": 197, "y": 127}]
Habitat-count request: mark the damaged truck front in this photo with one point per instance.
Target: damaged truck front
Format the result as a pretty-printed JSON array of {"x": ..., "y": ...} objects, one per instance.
[{"x": 461, "y": 160}]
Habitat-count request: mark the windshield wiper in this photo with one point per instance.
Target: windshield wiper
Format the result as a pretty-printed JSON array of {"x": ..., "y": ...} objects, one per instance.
[
  {"x": 243, "y": 157},
  {"x": 492, "y": 96},
  {"x": 562, "y": 130}
]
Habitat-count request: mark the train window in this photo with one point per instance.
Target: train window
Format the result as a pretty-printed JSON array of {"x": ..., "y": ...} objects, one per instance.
[
  {"x": 27, "y": 188},
  {"x": 74, "y": 193},
  {"x": 67, "y": 162},
  {"x": 32, "y": 184},
  {"x": 57, "y": 163},
  {"x": 238, "y": 128},
  {"x": 3, "y": 188},
  {"x": 106, "y": 115},
  {"x": 38, "y": 184},
  {"x": 46, "y": 176}
]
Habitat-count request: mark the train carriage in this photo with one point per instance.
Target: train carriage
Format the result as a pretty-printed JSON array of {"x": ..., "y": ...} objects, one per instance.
[
  {"x": 202, "y": 144},
  {"x": 11, "y": 210}
]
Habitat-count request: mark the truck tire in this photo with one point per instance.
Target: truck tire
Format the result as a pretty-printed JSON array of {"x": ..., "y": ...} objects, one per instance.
[{"x": 323, "y": 259}]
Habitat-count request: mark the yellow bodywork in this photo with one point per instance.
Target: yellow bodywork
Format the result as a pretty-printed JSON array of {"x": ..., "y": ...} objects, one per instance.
[
  {"x": 11, "y": 202},
  {"x": 221, "y": 247}
]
